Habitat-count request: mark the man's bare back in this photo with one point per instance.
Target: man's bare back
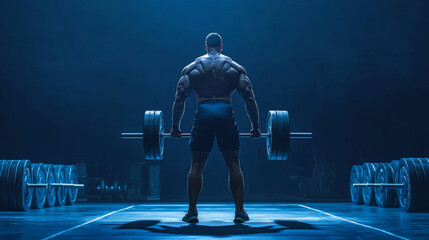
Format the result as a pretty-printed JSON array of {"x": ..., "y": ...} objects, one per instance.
[{"x": 214, "y": 76}]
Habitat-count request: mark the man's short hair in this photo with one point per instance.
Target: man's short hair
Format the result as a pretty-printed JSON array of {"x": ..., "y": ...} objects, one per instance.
[{"x": 213, "y": 40}]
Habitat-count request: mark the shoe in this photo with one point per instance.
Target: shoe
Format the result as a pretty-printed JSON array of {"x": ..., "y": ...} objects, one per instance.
[
  {"x": 191, "y": 217},
  {"x": 241, "y": 217}
]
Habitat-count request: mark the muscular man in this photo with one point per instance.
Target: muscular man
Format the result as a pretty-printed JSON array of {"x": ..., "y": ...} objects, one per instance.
[{"x": 214, "y": 78}]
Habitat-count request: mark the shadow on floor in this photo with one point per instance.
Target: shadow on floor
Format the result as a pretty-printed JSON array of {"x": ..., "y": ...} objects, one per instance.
[{"x": 198, "y": 229}]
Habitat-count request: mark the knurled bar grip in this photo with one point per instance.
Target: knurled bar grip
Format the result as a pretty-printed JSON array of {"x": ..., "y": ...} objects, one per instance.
[{"x": 293, "y": 135}]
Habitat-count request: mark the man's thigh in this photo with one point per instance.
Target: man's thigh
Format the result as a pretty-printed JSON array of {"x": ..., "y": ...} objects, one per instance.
[
  {"x": 228, "y": 137},
  {"x": 202, "y": 138}
]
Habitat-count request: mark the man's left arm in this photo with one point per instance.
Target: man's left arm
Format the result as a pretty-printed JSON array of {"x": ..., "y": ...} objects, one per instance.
[{"x": 182, "y": 93}]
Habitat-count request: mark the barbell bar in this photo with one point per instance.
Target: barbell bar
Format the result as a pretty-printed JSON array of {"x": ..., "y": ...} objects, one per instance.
[
  {"x": 382, "y": 185},
  {"x": 47, "y": 185},
  {"x": 293, "y": 135},
  {"x": 277, "y": 137}
]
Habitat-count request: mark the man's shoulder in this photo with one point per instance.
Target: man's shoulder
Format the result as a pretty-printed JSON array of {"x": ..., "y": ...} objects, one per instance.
[
  {"x": 200, "y": 58},
  {"x": 191, "y": 66},
  {"x": 237, "y": 66}
]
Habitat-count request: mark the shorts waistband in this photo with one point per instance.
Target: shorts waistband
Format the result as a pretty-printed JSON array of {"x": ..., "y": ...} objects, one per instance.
[{"x": 214, "y": 101}]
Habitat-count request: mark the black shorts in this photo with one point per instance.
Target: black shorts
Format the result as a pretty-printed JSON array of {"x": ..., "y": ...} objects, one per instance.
[{"x": 214, "y": 118}]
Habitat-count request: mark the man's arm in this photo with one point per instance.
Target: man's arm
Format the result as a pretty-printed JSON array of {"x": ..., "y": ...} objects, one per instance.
[
  {"x": 245, "y": 90},
  {"x": 182, "y": 93}
]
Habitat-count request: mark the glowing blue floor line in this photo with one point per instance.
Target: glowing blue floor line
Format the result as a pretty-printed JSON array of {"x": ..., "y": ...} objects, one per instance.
[
  {"x": 359, "y": 224},
  {"x": 85, "y": 223}
]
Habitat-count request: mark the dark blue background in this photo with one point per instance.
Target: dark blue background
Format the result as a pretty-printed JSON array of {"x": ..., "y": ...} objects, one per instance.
[{"x": 75, "y": 74}]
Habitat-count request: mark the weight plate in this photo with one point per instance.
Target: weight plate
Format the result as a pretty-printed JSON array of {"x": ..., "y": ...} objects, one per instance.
[
  {"x": 369, "y": 170},
  {"x": 152, "y": 136},
  {"x": 381, "y": 176},
  {"x": 7, "y": 165},
  {"x": 356, "y": 177},
  {"x": 149, "y": 136},
  {"x": 72, "y": 179},
  {"x": 286, "y": 134},
  {"x": 2, "y": 163},
  {"x": 61, "y": 192},
  {"x": 270, "y": 136},
  {"x": 281, "y": 135},
  {"x": 420, "y": 184},
  {"x": 23, "y": 194},
  {"x": 276, "y": 136},
  {"x": 391, "y": 193},
  {"x": 424, "y": 163},
  {"x": 384, "y": 197},
  {"x": 273, "y": 139},
  {"x": 1, "y": 166},
  {"x": 146, "y": 134},
  {"x": 50, "y": 191},
  {"x": 407, "y": 195},
  {"x": 39, "y": 194},
  {"x": 157, "y": 135},
  {"x": 151, "y": 131},
  {"x": 11, "y": 185},
  {"x": 426, "y": 167},
  {"x": 161, "y": 138},
  {"x": 394, "y": 165}
]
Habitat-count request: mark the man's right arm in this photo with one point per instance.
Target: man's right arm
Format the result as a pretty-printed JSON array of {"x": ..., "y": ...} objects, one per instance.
[
  {"x": 183, "y": 91},
  {"x": 245, "y": 91}
]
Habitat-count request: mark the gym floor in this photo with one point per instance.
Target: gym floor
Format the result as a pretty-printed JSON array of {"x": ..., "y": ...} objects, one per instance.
[{"x": 163, "y": 221}]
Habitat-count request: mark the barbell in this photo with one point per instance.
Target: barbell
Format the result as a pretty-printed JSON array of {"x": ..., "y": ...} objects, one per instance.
[
  {"x": 405, "y": 181},
  {"x": 18, "y": 179},
  {"x": 278, "y": 135}
]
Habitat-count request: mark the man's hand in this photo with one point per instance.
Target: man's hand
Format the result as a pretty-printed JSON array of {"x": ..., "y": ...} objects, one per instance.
[
  {"x": 176, "y": 133},
  {"x": 255, "y": 133}
]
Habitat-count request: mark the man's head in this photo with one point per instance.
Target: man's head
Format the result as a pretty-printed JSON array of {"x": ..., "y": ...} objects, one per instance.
[{"x": 214, "y": 42}]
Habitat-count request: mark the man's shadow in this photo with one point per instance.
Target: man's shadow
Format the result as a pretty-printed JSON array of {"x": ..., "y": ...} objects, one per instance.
[{"x": 226, "y": 230}]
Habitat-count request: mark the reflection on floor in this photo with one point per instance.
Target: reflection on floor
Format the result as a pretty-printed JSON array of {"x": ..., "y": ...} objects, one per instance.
[{"x": 162, "y": 221}]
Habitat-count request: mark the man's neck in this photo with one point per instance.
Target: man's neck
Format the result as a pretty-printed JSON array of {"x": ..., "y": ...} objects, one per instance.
[{"x": 213, "y": 52}]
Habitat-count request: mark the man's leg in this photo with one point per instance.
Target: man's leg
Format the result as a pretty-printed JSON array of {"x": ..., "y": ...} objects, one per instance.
[
  {"x": 236, "y": 181},
  {"x": 195, "y": 177}
]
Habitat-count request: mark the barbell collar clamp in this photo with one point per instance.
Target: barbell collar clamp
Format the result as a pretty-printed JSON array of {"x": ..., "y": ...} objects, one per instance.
[{"x": 382, "y": 185}]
